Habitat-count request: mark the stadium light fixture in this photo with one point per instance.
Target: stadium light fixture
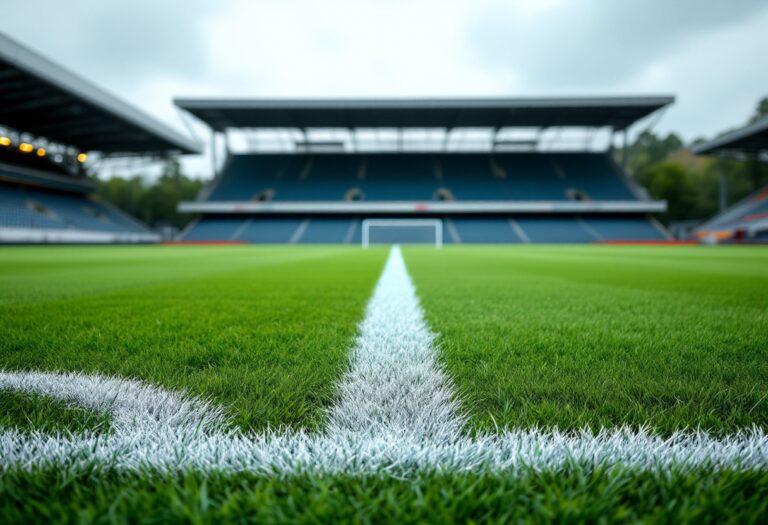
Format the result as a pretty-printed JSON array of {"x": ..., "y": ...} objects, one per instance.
[
  {"x": 82, "y": 157},
  {"x": 26, "y": 147},
  {"x": 5, "y": 141},
  {"x": 41, "y": 152}
]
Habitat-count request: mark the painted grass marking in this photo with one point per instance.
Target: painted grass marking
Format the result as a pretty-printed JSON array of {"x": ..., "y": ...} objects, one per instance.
[
  {"x": 132, "y": 404},
  {"x": 395, "y": 384},
  {"x": 396, "y": 416}
]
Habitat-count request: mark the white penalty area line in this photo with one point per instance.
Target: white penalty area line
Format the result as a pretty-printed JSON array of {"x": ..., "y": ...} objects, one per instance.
[{"x": 396, "y": 414}]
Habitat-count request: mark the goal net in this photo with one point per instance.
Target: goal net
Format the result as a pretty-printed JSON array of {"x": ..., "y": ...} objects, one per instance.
[{"x": 402, "y": 231}]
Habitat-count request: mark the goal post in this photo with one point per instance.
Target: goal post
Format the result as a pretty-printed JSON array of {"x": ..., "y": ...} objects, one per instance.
[{"x": 402, "y": 231}]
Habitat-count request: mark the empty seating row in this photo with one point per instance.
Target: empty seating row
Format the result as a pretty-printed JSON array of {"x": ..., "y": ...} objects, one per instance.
[
  {"x": 420, "y": 177},
  {"x": 31, "y": 208},
  {"x": 273, "y": 230}
]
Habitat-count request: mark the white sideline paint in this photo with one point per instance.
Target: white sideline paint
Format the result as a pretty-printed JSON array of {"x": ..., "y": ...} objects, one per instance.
[
  {"x": 396, "y": 416},
  {"x": 147, "y": 438},
  {"x": 395, "y": 384}
]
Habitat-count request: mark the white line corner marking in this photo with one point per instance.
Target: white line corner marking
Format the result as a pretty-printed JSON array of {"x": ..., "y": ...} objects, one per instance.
[{"x": 397, "y": 413}]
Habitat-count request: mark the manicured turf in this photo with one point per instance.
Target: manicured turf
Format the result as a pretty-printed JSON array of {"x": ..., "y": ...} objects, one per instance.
[
  {"x": 29, "y": 412},
  {"x": 569, "y": 496},
  {"x": 263, "y": 331},
  {"x": 602, "y": 336},
  {"x": 533, "y": 336}
]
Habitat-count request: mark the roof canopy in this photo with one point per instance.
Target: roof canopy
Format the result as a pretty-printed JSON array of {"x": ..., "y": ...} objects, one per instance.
[
  {"x": 616, "y": 112},
  {"x": 749, "y": 139},
  {"x": 42, "y": 98}
]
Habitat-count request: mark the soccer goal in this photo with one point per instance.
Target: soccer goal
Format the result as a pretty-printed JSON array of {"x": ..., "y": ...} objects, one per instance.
[{"x": 402, "y": 231}]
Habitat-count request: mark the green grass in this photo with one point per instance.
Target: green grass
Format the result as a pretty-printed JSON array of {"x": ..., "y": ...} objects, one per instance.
[
  {"x": 568, "y": 496},
  {"x": 533, "y": 336},
  {"x": 602, "y": 336},
  {"x": 262, "y": 331},
  {"x": 27, "y": 412}
]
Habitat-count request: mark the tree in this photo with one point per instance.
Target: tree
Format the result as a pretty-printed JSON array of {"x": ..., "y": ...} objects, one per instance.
[
  {"x": 164, "y": 196},
  {"x": 649, "y": 150},
  {"x": 690, "y": 184},
  {"x": 155, "y": 204},
  {"x": 761, "y": 110}
]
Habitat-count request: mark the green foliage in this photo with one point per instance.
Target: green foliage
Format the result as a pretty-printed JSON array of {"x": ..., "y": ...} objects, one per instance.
[
  {"x": 264, "y": 331},
  {"x": 690, "y": 185},
  {"x": 744, "y": 177},
  {"x": 649, "y": 150},
  {"x": 761, "y": 110},
  {"x": 691, "y": 190},
  {"x": 600, "y": 336},
  {"x": 155, "y": 203},
  {"x": 689, "y": 194}
]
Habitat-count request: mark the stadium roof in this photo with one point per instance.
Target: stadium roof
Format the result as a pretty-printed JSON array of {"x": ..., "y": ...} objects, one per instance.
[
  {"x": 40, "y": 97},
  {"x": 752, "y": 138},
  {"x": 616, "y": 112}
]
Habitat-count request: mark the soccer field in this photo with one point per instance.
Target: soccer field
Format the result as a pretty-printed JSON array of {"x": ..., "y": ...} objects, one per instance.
[{"x": 284, "y": 384}]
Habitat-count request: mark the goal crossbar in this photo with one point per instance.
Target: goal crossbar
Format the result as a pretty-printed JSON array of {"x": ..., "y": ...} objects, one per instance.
[{"x": 437, "y": 224}]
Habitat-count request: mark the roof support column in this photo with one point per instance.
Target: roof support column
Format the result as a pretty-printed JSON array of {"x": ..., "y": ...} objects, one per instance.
[
  {"x": 624, "y": 149},
  {"x": 213, "y": 152}
]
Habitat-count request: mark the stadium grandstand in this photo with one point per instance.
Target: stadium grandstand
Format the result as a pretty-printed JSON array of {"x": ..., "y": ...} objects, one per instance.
[
  {"x": 51, "y": 123},
  {"x": 486, "y": 170},
  {"x": 747, "y": 220}
]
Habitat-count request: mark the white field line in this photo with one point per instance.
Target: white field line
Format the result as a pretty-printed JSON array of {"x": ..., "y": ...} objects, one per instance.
[
  {"x": 396, "y": 416},
  {"x": 395, "y": 384}
]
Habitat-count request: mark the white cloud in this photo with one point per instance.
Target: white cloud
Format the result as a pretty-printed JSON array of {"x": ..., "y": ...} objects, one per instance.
[
  {"x": 294, "y": 48},
  {"x": 710, "y": 54}
]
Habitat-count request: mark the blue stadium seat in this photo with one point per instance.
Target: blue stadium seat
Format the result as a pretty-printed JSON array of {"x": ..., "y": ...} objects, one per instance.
[
  {"x": 28, "y": 208},
  {"x": 399, "y": 178},
  {"x": 327, "y": 230},
  {"x": 593, "y": 174},
  {"x": 418, "y": 177},
  {"x": 554, "y": 230},
  {"x": 482, "y": 230},
  {"x": 530, "y": 177},
  {"x": 624, "y": 229},
  {"x": 214, "y": 229},
  {"x": 269, "y": 230},
  {"x": 469, "y": 177}
]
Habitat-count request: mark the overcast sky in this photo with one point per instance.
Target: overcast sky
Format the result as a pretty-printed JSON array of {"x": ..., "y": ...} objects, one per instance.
[{"x": 711, "y": 54}]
